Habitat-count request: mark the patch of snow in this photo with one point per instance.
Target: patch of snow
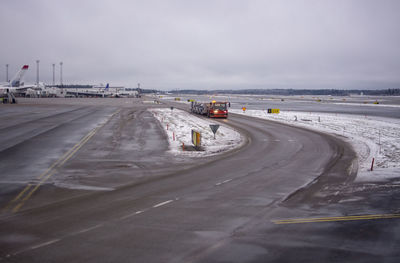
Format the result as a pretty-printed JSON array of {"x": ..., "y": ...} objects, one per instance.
[
  {"x": 378, "y": 174},
  {"x": 371, "y": 137},
  {"x": 366, "y": 104},
  {"x": 178, "y": 125}
]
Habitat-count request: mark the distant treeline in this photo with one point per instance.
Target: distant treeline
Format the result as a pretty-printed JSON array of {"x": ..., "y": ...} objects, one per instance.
[{"x": 332, "y": 92}]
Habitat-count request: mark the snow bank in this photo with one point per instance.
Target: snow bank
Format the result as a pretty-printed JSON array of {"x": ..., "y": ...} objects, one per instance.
[
  {"x": 178, "y": 125},
  {"x": 366, "y": 104},
  {"x": 371, "y": 137}
]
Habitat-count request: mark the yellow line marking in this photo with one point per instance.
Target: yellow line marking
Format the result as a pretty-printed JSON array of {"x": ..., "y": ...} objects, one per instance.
[
  {"x": 335, "y": 219},
  {"x": 17, "y": 207},
  {"x": 77, "y": 148},
  {"x": 52, "y": 169},
  {"x": 38, "y": 185},
  {"x": 17, "y": 197},
  {"x": 62, "y": 157},
  {"x": 20, "y": 195},
  {"x": 26, "y": 198},
  {"x": 59, "y": 162}
]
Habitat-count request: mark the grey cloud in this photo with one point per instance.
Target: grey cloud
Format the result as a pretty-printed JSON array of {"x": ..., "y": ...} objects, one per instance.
[{"x": 207, "y": 44}]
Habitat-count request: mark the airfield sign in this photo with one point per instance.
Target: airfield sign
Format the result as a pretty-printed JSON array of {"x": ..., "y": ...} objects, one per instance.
[
  {"x": 273, "y": 110},
  {"x": 196, "y": 139},
  {"x": 214, "y": 128}
]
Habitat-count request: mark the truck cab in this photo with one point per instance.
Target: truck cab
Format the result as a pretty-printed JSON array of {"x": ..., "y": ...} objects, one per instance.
[{"x": 218, "y": 110}]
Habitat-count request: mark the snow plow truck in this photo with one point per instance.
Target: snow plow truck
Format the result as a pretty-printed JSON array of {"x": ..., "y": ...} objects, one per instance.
[{"x": 212, "y": 109}]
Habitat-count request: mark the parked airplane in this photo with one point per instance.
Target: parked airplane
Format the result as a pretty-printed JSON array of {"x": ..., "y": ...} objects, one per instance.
[
  {"x": 120, "y": 92},
  {"x": 16, "y": 82},
  {"x": 95, "y": 91},
  {"x": 16, "y": 85}
]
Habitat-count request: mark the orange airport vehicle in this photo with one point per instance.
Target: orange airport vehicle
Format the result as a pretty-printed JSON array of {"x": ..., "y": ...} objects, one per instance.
[{"x": 214, "y": 109}]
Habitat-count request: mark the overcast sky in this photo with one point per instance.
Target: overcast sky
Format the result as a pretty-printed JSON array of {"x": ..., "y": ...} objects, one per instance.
[{"x": 205, "y": 44}]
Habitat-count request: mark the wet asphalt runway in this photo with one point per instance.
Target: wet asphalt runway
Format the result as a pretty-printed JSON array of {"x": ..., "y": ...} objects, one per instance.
[{"x": 113, "y": 194}]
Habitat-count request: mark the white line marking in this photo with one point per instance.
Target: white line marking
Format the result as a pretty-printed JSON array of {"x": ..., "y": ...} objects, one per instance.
[
  {"x": 46, "y": 243},
  {"x": 132, "y": 214},
  {"x": 223, "y": 182},
  {"x": 88, "y": 229},
  {"x": 126, "y": 216},
  {"x": 163, "y": 203}
]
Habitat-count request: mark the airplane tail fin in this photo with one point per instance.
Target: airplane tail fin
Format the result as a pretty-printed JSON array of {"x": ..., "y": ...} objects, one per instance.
[
  {"x": 17, "y": 80},
  {"x": 107, "y": 86}
]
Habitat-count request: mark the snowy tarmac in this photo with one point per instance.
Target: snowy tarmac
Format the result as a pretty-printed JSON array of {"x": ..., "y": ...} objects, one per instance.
[
  {"x": 372, "y": 129},
  {"x": 372, "y": 137},
  {"x": 178, "y": 125}
]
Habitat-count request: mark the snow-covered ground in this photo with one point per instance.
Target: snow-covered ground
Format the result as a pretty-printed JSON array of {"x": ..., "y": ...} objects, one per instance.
[
  {"x": 367, "y": 105},
  {"x": 178, "y": 125},
  {"x": 371, "y": 137}
]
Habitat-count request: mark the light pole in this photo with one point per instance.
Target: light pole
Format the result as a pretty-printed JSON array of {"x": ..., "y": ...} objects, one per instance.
[
  {"x": 37, "y": 73},
  {"x": 61, "y": 80},
  {"x": 6, "y": 72},
  {"x": 54, "y": 75}
]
